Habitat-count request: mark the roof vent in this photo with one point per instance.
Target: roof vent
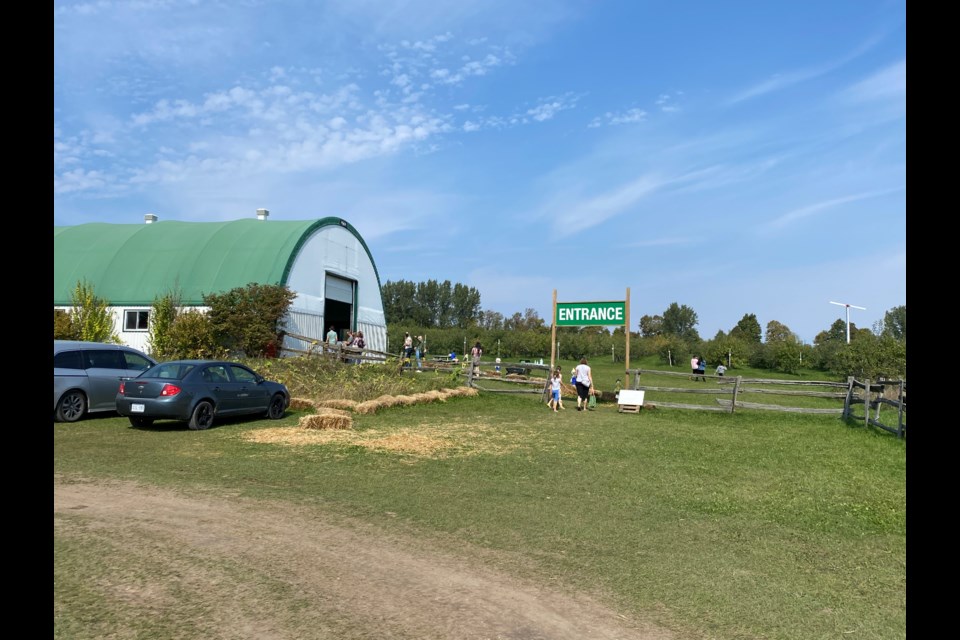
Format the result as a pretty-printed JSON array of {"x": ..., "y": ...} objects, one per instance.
[
  {"x": 262, "y": 214},
  {"x": 149, "y": 218}
]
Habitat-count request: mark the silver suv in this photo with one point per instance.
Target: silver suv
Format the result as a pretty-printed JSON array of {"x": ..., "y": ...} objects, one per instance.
[{"x": 87, "y": 375}]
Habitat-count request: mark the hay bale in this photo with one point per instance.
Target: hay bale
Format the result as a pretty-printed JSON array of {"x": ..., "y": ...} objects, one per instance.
[
  {"x": 301, "y": 403},
  {"x": 432, "y": 396},
  {"x": 370, "y": 406},
  {"x": 460, "y": 392},
  {"x": 327, "y": 420},
  {"x": 337, "y": 403}
]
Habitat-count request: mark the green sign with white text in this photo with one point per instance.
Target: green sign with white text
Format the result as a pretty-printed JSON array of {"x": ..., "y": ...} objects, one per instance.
[{"x": 581, "y": 314}]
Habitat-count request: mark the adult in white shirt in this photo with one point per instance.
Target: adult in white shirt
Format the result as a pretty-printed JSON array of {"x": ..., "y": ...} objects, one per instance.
[{"x": 584, "y": 384}]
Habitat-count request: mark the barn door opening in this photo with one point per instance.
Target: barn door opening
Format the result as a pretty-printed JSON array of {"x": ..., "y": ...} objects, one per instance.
[{"x": 338, "y": 309}]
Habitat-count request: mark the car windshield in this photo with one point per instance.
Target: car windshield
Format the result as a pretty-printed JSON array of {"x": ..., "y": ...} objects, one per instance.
[{"x": 168, "y": 370}]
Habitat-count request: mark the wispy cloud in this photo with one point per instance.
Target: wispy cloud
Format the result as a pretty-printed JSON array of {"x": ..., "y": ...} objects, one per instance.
[
  {"x": 787, "y": 79},
  {"x": 890, "y": 82},
  {"x": 577, "y": 216},
  {"x": 813, "y": 209}
]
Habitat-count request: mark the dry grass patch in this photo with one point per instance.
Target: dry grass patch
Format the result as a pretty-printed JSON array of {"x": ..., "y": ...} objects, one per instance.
[{"x": 425, "y": 441}]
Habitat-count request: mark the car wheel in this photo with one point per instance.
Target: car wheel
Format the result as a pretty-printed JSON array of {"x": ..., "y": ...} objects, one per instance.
[
  {"x": 141, "y": 423},
  {"x": 276, "y": 407},
  {"x": 71, "y": 407},
  {"x": 202, "y": 416}
]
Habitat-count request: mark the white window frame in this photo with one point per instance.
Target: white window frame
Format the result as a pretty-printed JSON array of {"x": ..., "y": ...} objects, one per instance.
[{"x": 126, "y": 316}]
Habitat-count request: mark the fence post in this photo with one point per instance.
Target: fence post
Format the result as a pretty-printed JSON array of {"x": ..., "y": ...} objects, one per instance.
[
  {"x": 866, "y": 404},
  {"x": 470, "y": 375},
  {"x": 880, "y": 398},
  {"x": 846, "y": 402},
  {"x": 736, "y": 389},
  {"x": 900, "y": 412}
]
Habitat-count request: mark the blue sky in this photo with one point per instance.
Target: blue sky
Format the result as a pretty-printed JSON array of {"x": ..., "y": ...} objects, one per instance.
[{"x": 734, "y": 157}]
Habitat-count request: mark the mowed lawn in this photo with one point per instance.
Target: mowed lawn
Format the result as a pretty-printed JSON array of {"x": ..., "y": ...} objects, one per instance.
[{"x": 746, "y": 525}]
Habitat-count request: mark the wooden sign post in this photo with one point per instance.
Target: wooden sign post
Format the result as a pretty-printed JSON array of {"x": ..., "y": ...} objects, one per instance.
[{"x": 589, "y": 314}]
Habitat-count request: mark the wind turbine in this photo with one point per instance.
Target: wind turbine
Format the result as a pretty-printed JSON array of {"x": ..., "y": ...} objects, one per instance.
[{"x": 842, "y": 304}]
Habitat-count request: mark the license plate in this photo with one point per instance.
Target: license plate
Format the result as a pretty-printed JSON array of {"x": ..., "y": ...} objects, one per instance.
[{"x": 136, "y": 408}]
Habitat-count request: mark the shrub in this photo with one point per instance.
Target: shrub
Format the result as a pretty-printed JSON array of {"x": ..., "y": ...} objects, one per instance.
[
  {"x": 91, "y": 319},
  {"x": 191, "y": 335}
]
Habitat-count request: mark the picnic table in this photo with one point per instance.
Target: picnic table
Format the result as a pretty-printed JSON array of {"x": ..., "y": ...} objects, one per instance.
[{"x": 440, "y": 358}]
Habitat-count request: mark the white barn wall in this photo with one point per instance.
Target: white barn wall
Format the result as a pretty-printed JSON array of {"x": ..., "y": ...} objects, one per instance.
[{"x": 335, "y": 250}]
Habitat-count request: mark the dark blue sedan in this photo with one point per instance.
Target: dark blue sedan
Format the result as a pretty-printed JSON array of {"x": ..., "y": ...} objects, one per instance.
[{"x": 197, "y": 392}]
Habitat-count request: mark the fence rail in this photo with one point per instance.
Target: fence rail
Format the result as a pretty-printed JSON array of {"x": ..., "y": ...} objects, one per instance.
[{"x": 872, "y": 396}]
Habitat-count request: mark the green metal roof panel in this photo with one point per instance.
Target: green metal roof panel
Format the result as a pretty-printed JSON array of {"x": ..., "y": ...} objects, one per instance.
[{"x": 132, "y": 264}]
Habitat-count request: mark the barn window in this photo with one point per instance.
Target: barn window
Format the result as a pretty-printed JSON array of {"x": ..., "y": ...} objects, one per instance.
[{"x": 136, "y": 320}]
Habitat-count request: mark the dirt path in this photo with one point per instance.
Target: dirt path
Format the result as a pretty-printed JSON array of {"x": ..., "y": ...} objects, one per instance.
[{"x": 353, "y": 580}]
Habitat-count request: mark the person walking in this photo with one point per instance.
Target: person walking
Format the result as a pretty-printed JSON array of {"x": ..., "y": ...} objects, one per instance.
[
  {"x": 332, "y": 337},
  {"x": 407, "y": 350},
  {"x": 555, "y": 383},
  {"x": 475, "y": 354},
  {"x": 418, "y": 353},
  {"x": 721, "y": 370},
  {"x": 584, "y": 384},
  {"x": 694, "y": 367},
  {"x": 701, "y": 369}
]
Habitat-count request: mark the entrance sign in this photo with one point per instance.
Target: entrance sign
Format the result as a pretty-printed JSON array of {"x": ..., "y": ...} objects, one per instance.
[
  {"x": 576, "y": 314},
  {"x": 589, "y": 314}
]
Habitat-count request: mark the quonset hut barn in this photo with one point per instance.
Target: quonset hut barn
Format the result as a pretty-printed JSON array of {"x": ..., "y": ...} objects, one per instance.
[{"x": 325, "y": 262}]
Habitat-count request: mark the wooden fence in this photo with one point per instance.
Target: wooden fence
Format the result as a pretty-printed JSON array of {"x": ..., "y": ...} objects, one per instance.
[
  {"x": 736, "y": 386},
  {"x": 514, "y": 377},
  {"x": 873, "y": 397}
]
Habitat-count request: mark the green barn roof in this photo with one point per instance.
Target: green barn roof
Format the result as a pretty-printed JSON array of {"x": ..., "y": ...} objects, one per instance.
[{"x": 132, "y": 264}]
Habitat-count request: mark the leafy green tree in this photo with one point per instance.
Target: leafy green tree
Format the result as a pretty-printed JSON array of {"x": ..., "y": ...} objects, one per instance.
[
  {"x": 651, "y": 326},
  {"x": 249, "y": 319},
  {"x": 681, "y": 321},
  {"x": 785, "y": 355},
  {"x": 895, "y": 323},
  {"x": 465, "y": 303},
  {"x": 836, "y": 333},
  {"x": 491, "y": 320},
  {"x": 191, "y": 335},
  {"x": 731, "y": 351},
  {"x": 779, "y": 332},
  {"x": 165, "y": 310},
  {"x": 872, "y": 357},
  {"x": 399, "y": 301},
  {"x": 90, "y": 316},
  {"x": 748, "y": 329},
  {"x": 63, "y": 328},
  {"x": 432, "y": 302}
]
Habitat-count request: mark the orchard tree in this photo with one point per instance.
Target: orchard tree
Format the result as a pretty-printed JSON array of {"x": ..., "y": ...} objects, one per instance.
[
  {"x": 491, "y": 320},
  {"x": 651, "y": 326},
  {"x": 895, "y": 323}
]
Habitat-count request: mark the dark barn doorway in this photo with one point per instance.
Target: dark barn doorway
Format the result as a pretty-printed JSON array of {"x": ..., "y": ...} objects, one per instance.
[{"x": 339, "y": 295}]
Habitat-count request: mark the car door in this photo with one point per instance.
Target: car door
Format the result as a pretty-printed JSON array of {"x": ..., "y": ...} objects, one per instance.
[
  {"x": 105, "y": 368},
  {"x": 225, "y": 391},
  {"x": 253, "y": 397}
]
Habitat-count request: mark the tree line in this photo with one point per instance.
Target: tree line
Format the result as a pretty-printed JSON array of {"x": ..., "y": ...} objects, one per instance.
[{"x": 420, "y": 308}]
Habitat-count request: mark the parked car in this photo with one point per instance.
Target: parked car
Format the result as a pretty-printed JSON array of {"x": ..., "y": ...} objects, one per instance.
[
  {"x": 86, "y": 376},
  {"x": 199, "y": 391}
]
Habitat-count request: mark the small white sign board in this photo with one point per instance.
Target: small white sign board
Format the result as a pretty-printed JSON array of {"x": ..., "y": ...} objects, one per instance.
[{"x": 630, "y": 396}]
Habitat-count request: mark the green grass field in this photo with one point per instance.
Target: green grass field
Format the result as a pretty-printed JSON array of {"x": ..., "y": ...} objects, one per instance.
[{"x": 716, "y": 525}]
